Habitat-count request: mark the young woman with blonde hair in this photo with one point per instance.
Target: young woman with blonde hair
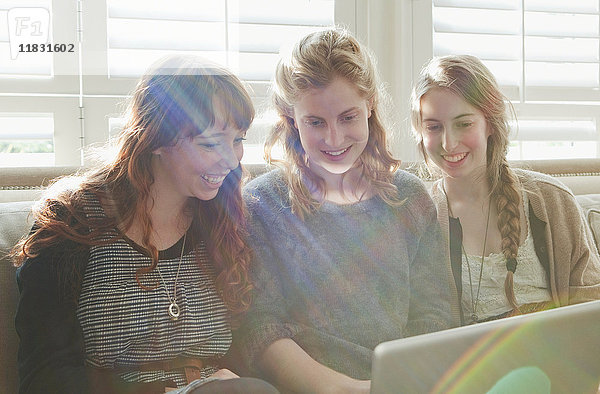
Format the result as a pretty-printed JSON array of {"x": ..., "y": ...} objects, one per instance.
[
  {"x": 132, "y": 272},
  {"x": 517, "y": 239},
  {"x": 346, "y": 245}
]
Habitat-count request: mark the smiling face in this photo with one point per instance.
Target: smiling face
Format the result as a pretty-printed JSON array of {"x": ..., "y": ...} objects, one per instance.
[
  {"x": 454, "y": 133},
  {"x": 333, "y": 127},
  {"x": 197, "y": 164}
]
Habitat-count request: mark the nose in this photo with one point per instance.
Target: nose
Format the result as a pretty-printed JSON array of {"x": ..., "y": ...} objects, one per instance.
[
  {"x": 334, "y": 136},
  {"x": 449, "y": 140},
  {"x": 229, "y": 157}
]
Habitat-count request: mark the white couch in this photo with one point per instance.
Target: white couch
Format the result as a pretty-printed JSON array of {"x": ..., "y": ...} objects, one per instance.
[{"x": 19, "y": 187}]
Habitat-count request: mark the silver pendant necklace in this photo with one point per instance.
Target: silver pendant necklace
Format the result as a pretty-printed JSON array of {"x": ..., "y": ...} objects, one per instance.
[
  {"x": 174, "y": 309},
  {"x": 474, "y": 300}
]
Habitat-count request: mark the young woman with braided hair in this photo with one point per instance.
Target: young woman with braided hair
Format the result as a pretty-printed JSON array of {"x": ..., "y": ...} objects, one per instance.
[{"x": 518, "y": 241}]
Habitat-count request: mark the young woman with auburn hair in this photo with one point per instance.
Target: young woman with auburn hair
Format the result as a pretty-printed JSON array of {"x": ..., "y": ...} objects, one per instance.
[
  {"x": 518, "y": 241},
  {"x": 133, "y": 272}
]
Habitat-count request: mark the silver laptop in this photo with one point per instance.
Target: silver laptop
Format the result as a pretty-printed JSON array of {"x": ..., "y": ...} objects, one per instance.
[{"x": 555, "y": 351}]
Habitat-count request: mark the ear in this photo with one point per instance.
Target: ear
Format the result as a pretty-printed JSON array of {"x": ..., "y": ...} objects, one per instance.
[
  {"x": 158, "y": 151},
  {"x": 370, "y": 107}
]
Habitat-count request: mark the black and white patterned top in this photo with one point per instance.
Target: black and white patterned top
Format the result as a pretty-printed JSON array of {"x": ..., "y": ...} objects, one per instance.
[{"x": 125, "y": 325}]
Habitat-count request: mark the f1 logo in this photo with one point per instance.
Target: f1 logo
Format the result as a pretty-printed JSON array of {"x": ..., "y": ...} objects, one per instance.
[{"x": 27, "y": 26}]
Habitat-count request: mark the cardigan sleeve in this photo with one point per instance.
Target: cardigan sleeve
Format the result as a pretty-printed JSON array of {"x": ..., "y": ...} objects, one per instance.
[
  {"x": 51, "y": 354},
  {"x": 570, "y": 247}
]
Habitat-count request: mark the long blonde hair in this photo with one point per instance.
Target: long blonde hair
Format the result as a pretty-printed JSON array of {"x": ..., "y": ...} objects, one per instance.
[
  {"x": 316, "y": 60},
  {"x": 172, "y": 99},
  {"x": 467, "y": 77}
]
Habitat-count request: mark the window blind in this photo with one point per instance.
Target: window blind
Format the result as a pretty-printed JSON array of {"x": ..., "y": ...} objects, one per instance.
[
  {"x": 527, "y": 43},
  {"x": 245, "y": 36},
  {"x": 545, "y": 56},
  {"x": 115, "y": 41},
  {"x": 27, "y": 72}
]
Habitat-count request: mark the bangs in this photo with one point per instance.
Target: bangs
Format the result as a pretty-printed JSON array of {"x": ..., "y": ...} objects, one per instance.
[
  {"x": 235, "y": 106},
  {"x": 228, "y": 101},
  {"x": 192, "y": 103}
]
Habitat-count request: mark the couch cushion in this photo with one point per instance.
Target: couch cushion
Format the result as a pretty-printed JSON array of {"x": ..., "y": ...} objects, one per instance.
[
  {"x": 15, "y": 221},
  {"x": 591, "y": 208}
]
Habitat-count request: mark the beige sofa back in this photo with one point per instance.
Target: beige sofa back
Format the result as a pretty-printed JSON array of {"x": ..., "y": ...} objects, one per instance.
[{"x": 20, "y": 186}]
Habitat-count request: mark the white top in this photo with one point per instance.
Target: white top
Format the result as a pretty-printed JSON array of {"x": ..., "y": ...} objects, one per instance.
[{"x": 530, "y": 284}]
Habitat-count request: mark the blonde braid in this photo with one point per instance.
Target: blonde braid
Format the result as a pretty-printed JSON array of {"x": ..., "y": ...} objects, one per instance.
[{"x": 509, "y": 223}]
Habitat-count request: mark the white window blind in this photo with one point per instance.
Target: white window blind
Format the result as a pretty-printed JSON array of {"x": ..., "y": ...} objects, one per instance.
[
  {"x": 115, "y": 41},
  {"x": 245, "y": 36},
  {"x": 545, "y": 55},
  {"x": 39, "y": 125}
]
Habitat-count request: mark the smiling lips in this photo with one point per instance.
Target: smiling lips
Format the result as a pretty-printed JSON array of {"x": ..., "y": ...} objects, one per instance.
[
  {"x": 455, "y": 158},
  {"x": 214, "y": 179},
  {"x": 334, "y": 154}
]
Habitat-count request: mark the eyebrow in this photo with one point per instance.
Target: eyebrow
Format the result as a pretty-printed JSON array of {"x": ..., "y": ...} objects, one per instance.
[
  {"x": 311, "y": 116},
  {"x": 455, "y": 118},
  {"x": 208, "y": 135},
  {"x": 218, "y": 135},
  {"x": 341, "y": 114},
  {"x": 349, "y": 110}
]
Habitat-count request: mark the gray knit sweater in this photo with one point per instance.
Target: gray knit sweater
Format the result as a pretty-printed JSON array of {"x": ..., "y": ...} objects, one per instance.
[{"x": 347, "y": 277}]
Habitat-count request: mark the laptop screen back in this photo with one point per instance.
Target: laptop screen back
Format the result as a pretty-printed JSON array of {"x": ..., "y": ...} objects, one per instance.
[{"x": 554, "y": 351}]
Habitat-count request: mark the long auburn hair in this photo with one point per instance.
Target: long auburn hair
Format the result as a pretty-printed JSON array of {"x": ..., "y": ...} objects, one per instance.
[
  {"x": 467, "y": 77},
  {"x": 172, "y": 100},
  {"x": 316, "y": 60}
]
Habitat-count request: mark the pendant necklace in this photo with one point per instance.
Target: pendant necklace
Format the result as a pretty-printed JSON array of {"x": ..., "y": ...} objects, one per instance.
[
  {"x": 174, "y": 310},
  {"x": 474, "y": 300},
  {"x": 475, "y": 303}
]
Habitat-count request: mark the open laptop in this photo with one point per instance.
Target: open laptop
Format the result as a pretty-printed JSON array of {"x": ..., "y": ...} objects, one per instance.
[{"x": 554, "y": 351}]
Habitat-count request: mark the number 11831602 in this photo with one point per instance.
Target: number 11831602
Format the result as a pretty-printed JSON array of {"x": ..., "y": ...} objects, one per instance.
[{"x": 29, "y": 48}]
